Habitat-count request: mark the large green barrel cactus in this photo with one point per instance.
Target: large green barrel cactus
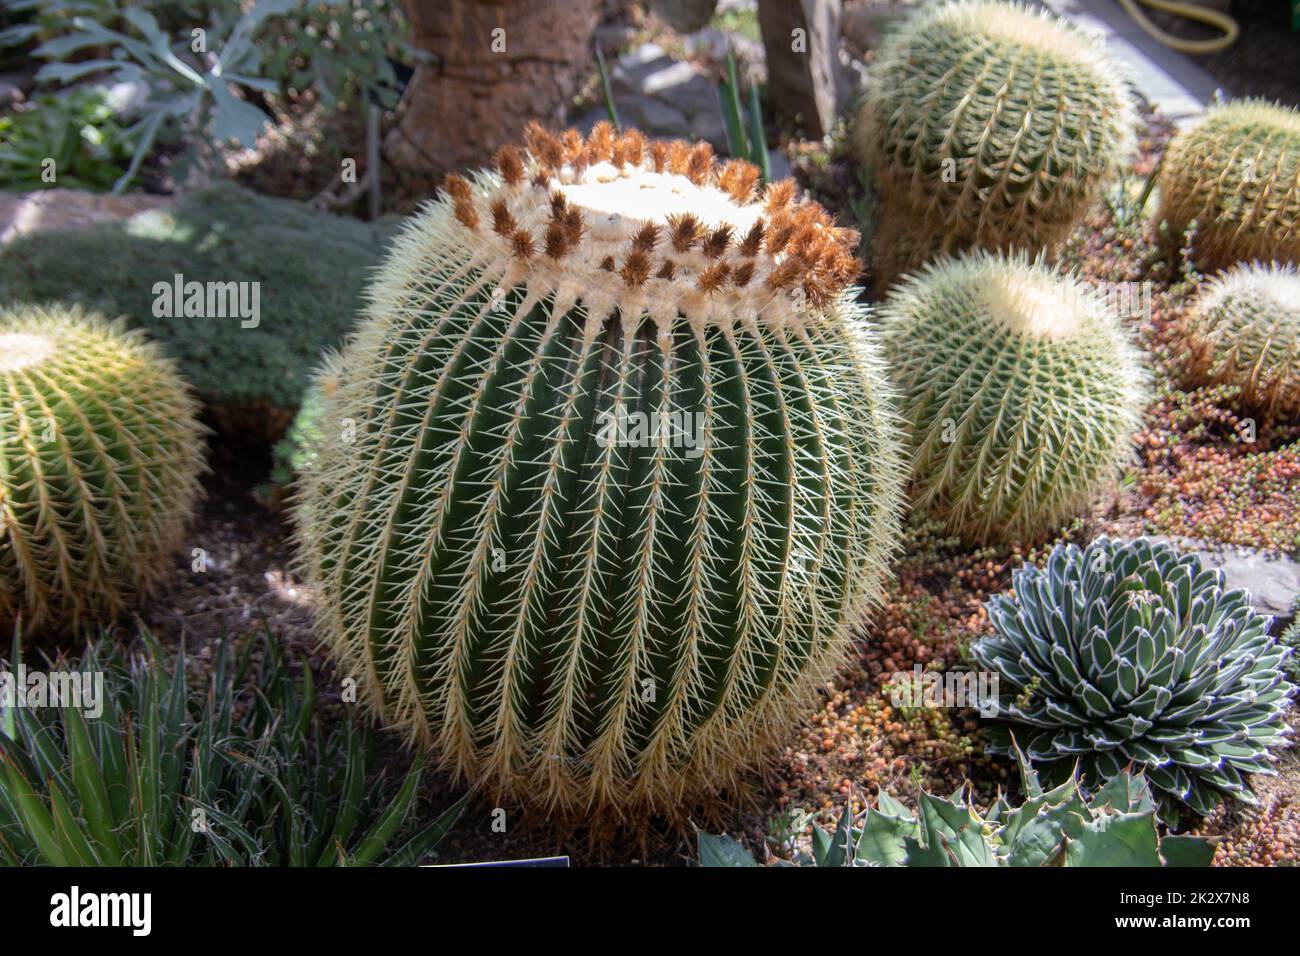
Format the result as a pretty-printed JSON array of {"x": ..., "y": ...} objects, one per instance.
[
  {"x": 1021, "y": 390},
  {"x": 611, "y": 477},
  {"x": 100, "y": 454},
  {"x": 987, "y": 124},
  {"x": 1244, "y": 329},
  {"x": 1237, "y": 174}
]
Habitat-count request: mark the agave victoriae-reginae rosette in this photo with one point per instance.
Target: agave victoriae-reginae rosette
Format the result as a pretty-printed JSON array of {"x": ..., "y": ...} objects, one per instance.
[{"x": 1129, "y": 653}]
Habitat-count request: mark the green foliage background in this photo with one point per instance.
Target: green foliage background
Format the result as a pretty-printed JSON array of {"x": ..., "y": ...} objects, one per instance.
[{"x": 312, "y": 267}]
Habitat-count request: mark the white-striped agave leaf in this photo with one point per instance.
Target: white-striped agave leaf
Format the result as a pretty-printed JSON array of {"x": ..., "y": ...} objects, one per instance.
[
  {"x": 1129, "y": 653},
  {"x": 1021, "y": 389},
  {"x": 100, "y": 453},
  {"x": 624, "y": 473}
]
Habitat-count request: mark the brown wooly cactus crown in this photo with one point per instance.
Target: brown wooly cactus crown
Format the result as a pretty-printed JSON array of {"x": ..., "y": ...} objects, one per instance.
[
  {"x": 100, "y": 454},
  {"x": 624, "y": 475}
]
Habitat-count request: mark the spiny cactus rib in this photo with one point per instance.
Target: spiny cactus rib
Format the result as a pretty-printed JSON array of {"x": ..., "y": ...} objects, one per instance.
[
  {"x": 100, "y": 453},
  {"x": 1021, "y": 389},
  {"x": 1244, "y": 329},
  {"x": 603, "y": 530},
  {"x": 990, "y": 125},
  {"x": 1236, "y": 173},
  {"x": 1130, "y": 653}
]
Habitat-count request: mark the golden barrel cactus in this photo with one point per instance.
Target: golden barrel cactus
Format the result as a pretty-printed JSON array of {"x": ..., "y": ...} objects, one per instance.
[
  {"x": 1243, "y": 329},
  {"x": 621, "y": 479},
  {"x": 1236, "y": 173},
  {"x": 100, "y": 456},
  {"x": 987, "y": 125},
  {"x": 1022, "y": 391}
]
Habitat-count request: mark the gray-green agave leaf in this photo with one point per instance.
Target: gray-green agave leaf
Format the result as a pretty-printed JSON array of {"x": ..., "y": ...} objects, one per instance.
[{"x": 1062, "y": 826}]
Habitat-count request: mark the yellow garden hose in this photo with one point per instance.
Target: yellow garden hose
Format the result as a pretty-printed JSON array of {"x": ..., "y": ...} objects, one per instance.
[{"x": 1190, "y": 11}]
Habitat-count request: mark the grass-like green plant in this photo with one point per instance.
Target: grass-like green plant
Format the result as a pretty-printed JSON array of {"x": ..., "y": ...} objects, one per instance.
[
  {"x": 1021, "y": 389},
  {"x": 1243, "y": 329},
  {"x": 100, "y": 456},
  {"x": 311, "y": 266},
  {"x": 987, "y": 125},
  {"x": 1235, "y": 175},
  {"x": 1130, "y": 654},
  {"x": 624, "y": 474},
  {"x": 238, "y": 772},
  {"x": 743, "y": 121},
  {"x": 1062, "y": 826}
]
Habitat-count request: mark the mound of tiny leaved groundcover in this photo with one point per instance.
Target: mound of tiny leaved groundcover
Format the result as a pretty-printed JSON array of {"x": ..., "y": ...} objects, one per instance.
[{"x": 311, "y": 268}]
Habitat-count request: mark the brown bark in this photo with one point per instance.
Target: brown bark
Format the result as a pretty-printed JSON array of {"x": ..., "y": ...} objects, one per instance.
[
  {"x": 806, "y": 82},
  {"x": 497, "y": 64}
]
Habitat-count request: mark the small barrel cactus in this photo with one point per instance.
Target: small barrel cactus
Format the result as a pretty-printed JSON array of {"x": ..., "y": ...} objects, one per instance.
[
  {"x": 1244, "y": 329},
  {"x": 1021, "y": 391},
  {"x": 1237, "y": 174},
  {"x": 1130, "y": 653},
  {"x": 623, "y": 473},
  {"x": 990, "y": 125},
  {"x": 100, "y": 455}
]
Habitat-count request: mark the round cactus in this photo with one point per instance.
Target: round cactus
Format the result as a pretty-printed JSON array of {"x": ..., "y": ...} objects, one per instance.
[
  {"x": 1021, "y": 389},
  {"x": 1244, "y": 329},
  {"x": 989, "y": 125},
  {"x": 622, "y": 473},
  {"x": 1237, "y": 174},
  {"x": 100, "y": 454},
  {"x": 1128, "y": 653}
]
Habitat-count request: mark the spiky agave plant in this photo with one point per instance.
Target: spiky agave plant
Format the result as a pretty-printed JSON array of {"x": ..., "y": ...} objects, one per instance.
[
  {"x": 991, "y": 125},
  {"x": 1244, "y": 329},
  {"x": 1236, "y": 173},
  {"x": 1063, "y": 826},
  {"x": 624, "y": 473},
  {"x": 1021, "y": 390},
  {"x": 100, "y": 455},
  {"x": 1130, "y": 653}
]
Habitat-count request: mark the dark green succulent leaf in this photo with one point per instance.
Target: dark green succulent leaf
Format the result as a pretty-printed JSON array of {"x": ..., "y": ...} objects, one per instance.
[
  {"x": 1124, "y": 839},
  {"x": 722, "y": 851},
  {"x": 953, "y": 835},
  {"x": 881, "y": 842},
  {"x": 1187, "y": 851}
]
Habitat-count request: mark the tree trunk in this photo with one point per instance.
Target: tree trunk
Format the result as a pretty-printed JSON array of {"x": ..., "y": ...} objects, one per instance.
[
  {"x": 805, "y": 80},
  {"x": 496, "y": 65}
]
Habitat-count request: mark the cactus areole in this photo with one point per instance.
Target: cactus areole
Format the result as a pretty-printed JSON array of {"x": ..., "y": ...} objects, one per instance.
[{"x": 623, "y": 474}]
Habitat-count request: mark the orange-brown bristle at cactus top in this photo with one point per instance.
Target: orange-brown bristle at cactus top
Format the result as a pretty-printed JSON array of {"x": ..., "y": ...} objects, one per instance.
[{"x": 685, "y": 232}]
